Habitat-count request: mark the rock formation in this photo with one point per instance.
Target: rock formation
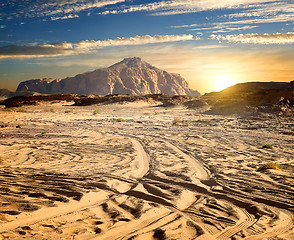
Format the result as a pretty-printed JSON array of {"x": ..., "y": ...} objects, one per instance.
[
  {"x": 253, "y": 97},
  {"x": 5, "y": 93},
  {"x": 130, "y": 76}
]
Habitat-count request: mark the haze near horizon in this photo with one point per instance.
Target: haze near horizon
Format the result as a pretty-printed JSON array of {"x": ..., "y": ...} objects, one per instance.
[{"x": 212, "y": 44}]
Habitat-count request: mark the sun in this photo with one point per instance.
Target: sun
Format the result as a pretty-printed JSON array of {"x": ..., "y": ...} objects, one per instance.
[{"x": 223, "y": 81}]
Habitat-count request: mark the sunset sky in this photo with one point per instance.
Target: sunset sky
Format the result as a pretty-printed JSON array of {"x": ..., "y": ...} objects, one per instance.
[{"x": 211, "y": 43}]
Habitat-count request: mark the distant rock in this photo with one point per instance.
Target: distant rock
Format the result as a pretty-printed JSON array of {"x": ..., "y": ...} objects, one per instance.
[
  {"x": 130, "y": 76},
  {"x": 42, "y": 85},
  {"x": 5, "y": 93},
  {"x": 253, "y": 97}
]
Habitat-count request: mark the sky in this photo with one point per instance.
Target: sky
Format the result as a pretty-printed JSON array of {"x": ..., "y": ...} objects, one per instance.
[{"x": 211, "y": 43}]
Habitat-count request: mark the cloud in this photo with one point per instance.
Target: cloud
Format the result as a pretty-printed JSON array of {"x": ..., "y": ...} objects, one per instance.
[
  {"x": 274, "y": 38},
  {"x": 269, "y": 19},
  {"x": 56, "y": 9},
  {"x": 223, "y": 28},
  {"x": 273, "y": 8},
  {"x": 247, "y": 17},
  {"x": 138, "y": 40},
  {"x": 77, "y": 6},
  {"x": 25, "y": 51},
  {"x": 65, "y": 17},
  {"x": 180, "y": 6},
  {"x": 66, "y": 48}
]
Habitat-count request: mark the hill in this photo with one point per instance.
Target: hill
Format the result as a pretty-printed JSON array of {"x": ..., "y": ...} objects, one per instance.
[{"x": 252, "y": 97}]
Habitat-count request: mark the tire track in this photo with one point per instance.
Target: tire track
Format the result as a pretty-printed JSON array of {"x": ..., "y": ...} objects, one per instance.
[
  {"x": 250, "y": 221},
  {"x": 199, "y": 171},
  {"x": 286, "y": 226},
  {"x": 137, "y": 225},
  {"x": 89, "y": 200},
  {"x": 142, "y": 164}
]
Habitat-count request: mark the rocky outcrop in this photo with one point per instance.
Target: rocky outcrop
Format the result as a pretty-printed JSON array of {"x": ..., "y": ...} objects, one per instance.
[
  {"x": 130, "y": 76},
  {"x": 253, "y": 97},
  {"x": 42, "y": 85},
  {"x": 5, "y": 93}
]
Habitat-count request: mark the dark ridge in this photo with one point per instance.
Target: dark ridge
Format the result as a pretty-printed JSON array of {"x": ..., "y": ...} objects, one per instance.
[
  {"x": 85, "y": 100},
  {"x": 18, "y": 101}
]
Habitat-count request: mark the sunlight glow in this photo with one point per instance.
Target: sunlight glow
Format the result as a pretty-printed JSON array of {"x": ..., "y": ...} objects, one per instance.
[{"x": 222, "y": 82}]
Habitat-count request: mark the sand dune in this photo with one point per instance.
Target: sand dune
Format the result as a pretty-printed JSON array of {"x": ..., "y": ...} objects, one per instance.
[{"x": 140, "y": 171}]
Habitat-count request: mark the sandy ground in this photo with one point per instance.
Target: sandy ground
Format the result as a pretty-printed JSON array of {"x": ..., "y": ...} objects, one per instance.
[{"x": 140, "y": 171}]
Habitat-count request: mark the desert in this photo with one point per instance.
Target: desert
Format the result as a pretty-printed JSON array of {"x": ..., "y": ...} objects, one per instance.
[
  {"x": 144, "y": 170},
  {"x": 147, "y": 119}
]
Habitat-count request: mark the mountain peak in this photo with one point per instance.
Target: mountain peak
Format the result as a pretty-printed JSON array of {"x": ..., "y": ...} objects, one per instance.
[
  {"x": 132, "y": 62},
  {"x": 132, "y": 59}
]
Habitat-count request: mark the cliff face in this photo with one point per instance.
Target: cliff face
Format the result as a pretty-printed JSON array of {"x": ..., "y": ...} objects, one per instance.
[{"x": 130, "y": 76}]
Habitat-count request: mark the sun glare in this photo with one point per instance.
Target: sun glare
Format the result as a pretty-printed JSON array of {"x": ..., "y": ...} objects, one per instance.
[{"x": 222, "y": 82}]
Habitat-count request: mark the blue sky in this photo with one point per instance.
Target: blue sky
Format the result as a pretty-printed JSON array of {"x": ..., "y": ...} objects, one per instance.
[{"x": 211, "y": 43}]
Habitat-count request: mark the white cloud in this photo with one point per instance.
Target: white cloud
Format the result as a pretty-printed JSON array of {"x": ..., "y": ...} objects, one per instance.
[
  {"x": 173, "y": 7},
  {"x": 246, "y": 14},
  {"x": 269, "y": 19},
  {"x": 223, "y": 28},
  {"x": 274, "y": 38},
  {"x": 56, "y": 9},
  {"x": 247, "y": 18},
  {"x": 266, "y": 10},
  {"x": 65, "y": 17},
  {"x": 137, "y": 40},
  {"x": 63, "y": 45},
  {"x": 256, "y": 12},
  {"x": 186, "y": 26},
  {"x": 66, "y": 48},
  {"x": 77, "y": 6}
]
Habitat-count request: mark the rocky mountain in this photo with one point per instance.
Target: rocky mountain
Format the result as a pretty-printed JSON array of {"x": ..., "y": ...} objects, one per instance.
[{"x": 130, "y": 76}]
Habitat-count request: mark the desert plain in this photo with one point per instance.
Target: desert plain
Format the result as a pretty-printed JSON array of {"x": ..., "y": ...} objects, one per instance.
[{"x": 143, "y": 171}]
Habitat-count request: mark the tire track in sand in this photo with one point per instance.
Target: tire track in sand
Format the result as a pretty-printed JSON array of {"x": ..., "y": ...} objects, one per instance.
[
  {"x": 248, "y": 222},
  {"x": 141, "y": 162},
  {"x": 200, "y": 172},
  {"x": 285, "y": 226},
  {"x": 89, "y": 199},
  {"x": 141, "y": 166}
]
